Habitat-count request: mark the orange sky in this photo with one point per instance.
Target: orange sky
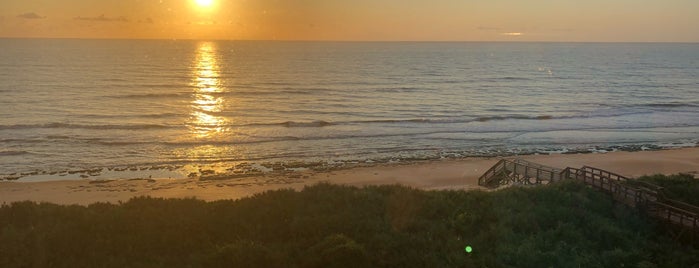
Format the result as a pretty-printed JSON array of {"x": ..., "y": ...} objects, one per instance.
[{"x": 357, "y": 20}]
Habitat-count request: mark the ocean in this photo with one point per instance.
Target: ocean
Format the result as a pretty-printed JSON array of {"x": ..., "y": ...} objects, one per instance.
[{"x": 73, "y": 109}]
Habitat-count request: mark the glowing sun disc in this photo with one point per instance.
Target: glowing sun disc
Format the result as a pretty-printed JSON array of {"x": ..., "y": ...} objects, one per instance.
[{"x": 204, "y": 3}]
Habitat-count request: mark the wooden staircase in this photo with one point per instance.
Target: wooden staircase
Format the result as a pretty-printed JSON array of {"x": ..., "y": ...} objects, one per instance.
[
  {"x": 637, "y": 194},
  {"x": 518, "y": 171}
]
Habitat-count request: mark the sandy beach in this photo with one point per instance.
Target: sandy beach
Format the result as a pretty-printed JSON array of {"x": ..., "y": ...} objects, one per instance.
[{"x": 432, "y": 175}]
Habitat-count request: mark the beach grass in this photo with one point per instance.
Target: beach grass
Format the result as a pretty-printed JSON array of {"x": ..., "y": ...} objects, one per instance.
[
  {"x": 561, "y": 225},
  {"x": 681, "y": 187}
]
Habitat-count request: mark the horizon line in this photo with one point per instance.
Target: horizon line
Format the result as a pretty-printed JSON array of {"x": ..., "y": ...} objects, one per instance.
[{"x": 354, "y": 41}]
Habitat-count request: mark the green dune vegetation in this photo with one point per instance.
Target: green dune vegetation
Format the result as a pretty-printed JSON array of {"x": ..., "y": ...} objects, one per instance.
[
  {"x": 565, "y": 224},
  {"x": 683, "y": 187}
]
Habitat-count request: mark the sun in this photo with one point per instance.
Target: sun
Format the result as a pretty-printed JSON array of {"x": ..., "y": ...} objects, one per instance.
[{"x": 204, "y": 3}]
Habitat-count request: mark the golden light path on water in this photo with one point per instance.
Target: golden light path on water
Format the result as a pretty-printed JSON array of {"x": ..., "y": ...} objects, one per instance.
[
  {"x": 207, "y": 101},
  {"x": 204, "y": 123}
]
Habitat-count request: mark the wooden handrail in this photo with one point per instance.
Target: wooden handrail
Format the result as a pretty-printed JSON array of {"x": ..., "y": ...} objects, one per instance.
[
  {"x": 647, "y": 194},
  {"x": 522, "y": 168},
  {"x": 491, "y": 172},
  {"x": 535, "y": 165},
  {"x": 643, "y": 195}
]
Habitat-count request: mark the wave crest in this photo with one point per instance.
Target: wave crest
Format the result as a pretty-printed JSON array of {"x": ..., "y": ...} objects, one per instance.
[
  {"x": 12, "y": 153},
  {"x": 79, "y": 126},
  {"x": 317, "y": 123}
]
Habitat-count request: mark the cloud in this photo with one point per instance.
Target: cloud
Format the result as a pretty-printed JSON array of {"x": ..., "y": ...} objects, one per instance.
[
  {"x": 102, "y": 18},
  {"x": 512, "y": 34},
  {"x": 30, "y": 16},
  {"x": 146, "y": 20}
]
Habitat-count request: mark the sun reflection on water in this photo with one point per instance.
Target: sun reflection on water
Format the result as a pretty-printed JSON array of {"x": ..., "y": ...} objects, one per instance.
[{"x": 204, "y": 121}]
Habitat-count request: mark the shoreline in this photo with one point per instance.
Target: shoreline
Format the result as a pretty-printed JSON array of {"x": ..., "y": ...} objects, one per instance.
[
  {"x": 274, "y": 167},
  {"x": 448, "y": 174}
]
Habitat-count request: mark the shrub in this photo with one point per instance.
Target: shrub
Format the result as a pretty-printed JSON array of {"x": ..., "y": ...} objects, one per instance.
[{"x": 560, "y": 225}]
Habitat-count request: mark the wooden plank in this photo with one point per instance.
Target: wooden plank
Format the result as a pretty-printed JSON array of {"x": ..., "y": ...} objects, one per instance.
[{"x": 623, "y": 190}]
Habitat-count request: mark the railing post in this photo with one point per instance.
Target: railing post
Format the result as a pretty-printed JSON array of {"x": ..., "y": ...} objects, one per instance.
[
  {"x": 526, "y": 170},
  {"x": 640, "y": 195}
]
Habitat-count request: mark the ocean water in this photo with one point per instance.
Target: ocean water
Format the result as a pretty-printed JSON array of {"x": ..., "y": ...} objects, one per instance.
[{"x": 170, "y": 108}]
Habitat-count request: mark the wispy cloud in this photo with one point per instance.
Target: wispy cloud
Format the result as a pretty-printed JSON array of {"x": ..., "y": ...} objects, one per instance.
[
  {"x": 102, "y": 18},
  {"x": 30, "y": 16},
  {"x": 502, "y": 31},
  {"x": 146, "y": 20}
]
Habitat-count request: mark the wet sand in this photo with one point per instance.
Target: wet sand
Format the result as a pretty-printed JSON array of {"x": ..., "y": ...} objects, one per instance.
[{"x": 459, "y": 174}]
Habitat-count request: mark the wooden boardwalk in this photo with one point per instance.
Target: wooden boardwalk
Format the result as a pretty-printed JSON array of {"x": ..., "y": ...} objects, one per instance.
[
  {"x": 518, "y": 171},
  {"x": 644, "y": 196}
]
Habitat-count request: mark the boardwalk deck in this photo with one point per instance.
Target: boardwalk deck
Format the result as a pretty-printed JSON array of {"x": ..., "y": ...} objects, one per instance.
[
  {"x": 644, "y": 196},
  {"x": 518, "y": 171}
]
